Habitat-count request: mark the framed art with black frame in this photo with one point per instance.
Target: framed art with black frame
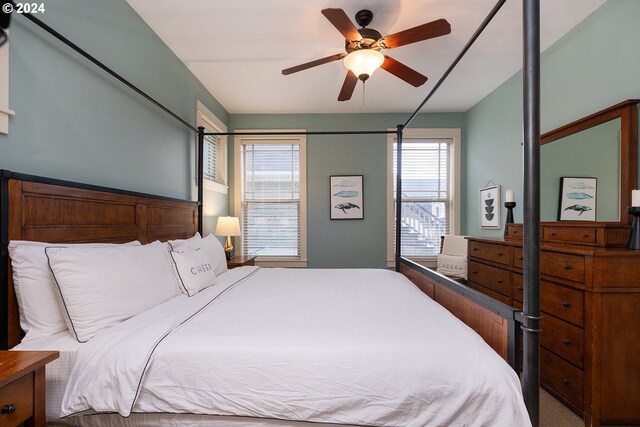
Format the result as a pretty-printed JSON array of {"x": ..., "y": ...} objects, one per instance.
[
  {"x": 490, "y": 207},
  {"x": 346, "y": 198},
  {"x": 577, "y": 199}
]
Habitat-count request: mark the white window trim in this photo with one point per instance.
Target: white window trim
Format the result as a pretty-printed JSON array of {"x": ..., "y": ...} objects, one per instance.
[
  {"x": 450, "y": 133},
  {"x": 204, "y": 117},
  {"x": 238, "y": 141},
  {"x": 5, "y": 112}
]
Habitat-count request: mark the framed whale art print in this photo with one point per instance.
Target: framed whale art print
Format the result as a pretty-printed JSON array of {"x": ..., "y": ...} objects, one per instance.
[
  {"x": 346, "y": 198},
  {"x": 577, "y": 199},
  {"x": 490, "y": 207}
]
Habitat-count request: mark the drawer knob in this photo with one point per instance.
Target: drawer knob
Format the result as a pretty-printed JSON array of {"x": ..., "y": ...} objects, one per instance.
[
  {"x": 567, "y": 267},
  {"x": 566, "y": 380},
  {"x": 566, "y": 304},
  {"x": 499, "y": 280},
  {"x": 520, "y": 258},
  {"x": 520, "y": 288},
  {"x": 584, "y": 236},
  {"x": 474, "y": 249},
  {"x": 8, "y": 409},
  {"x": 499, "y": 253},
  {"x": 566, "y": 341},
  {"x": 553, "y": 233}
]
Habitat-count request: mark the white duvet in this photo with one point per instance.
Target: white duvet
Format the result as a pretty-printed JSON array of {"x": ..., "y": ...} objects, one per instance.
[{"x": 361, "y": 347}]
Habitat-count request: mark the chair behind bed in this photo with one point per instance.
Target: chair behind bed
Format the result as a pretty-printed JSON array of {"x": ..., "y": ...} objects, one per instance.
[{"x": 46, "y": 210}]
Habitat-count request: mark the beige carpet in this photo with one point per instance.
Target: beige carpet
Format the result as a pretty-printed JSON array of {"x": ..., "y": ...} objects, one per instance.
[{"x": 555, "y": 414}]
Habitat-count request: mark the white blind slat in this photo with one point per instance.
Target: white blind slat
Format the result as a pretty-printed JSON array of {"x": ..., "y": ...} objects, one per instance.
[
  {"x": 426, "y": 196},
  {"x": 211, "y": 170},
  {"x": 271, "y": 199}
]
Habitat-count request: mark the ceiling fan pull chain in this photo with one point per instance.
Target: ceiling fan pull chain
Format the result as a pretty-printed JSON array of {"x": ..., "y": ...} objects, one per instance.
[{"x": 363, "y": 93}]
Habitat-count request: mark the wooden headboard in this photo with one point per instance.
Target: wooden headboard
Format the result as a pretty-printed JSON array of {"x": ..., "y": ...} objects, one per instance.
[{"x": 46, "y": 210}]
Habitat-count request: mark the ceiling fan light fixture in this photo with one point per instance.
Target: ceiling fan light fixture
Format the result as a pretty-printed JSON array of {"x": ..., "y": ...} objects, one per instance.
[{"x": 363, "y": 62}]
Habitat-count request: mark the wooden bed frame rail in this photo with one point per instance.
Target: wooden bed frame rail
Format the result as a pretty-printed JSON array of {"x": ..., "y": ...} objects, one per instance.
[
  {"x": 497, "y": 323},
  {"x": 47, "y": 210}
]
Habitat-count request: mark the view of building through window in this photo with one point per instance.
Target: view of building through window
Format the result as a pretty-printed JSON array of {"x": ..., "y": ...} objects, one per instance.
[{"x": 426, "y": 194}]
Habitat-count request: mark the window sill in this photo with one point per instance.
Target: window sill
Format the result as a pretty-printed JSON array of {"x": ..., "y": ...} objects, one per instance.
[
  {"x": 281, "y": 263},
  {"x": 429, "y": 262},
  {"x": 214, "y": 186}
]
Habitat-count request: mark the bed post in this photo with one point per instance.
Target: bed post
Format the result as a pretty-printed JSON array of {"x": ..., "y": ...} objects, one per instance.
[
  {"x": 531, "y": 312},
  {"x": 398, "y": 195},
  {"x": 200, "y": 173}
]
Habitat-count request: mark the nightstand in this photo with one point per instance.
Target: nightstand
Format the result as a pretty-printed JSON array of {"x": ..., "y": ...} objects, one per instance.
[
  {"x": 240, "y": 260},
  {"x": 22, "y": 387}
]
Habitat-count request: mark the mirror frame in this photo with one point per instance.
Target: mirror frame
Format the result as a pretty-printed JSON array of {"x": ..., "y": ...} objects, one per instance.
[{"x": 627, "y": 111}]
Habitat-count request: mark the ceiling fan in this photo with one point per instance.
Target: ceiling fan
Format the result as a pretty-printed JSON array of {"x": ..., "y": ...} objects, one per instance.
[{"x": 363, "y": 47}]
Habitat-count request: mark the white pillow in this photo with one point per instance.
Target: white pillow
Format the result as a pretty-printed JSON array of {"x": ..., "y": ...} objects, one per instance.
[
  {"x": 101, "y": 287},
  {"x": 195, "y": 270},
  {"x": 214, "y": 250},
  {"x": 452, "y": 265},
  {"x": 183, "y": 244},
  {"x": 40, "y": 311}
]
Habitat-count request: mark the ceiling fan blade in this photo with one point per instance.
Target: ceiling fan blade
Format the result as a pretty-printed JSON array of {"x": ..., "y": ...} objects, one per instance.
[
  {"x": 348, "y": 87},
  {"x": 426, "y": 31},
  {"x": 403, "y": 72},
  {"x": 341, "y": 21},
  {"x": 315, "y": 63}
]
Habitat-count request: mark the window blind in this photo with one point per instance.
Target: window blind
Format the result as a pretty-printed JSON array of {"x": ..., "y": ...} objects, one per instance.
[
  {"x": 211, "y": 170},
  {"x": 427, "y": 194},
  {"x": 270, "y": 192}
]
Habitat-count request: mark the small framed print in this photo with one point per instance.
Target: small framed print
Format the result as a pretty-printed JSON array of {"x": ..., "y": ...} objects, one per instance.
[
  {"x": 490, "y": 207},
  {"x": 577, "y": 199},
  {"x": 346, "y": 197}
]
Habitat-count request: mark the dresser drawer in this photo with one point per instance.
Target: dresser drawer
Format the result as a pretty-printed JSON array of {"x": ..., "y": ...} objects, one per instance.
[
  {"x": 564, "y": 339},
  {"x": 518, "y": 257},
  {"x": 562, "y": 302},
  {"x": 494, "y": 252},
  {"x": 20, "y": 394},
  {"x": 518, "y": 287},
  {"x": 579, "y": 236},
  {"x": 493, "y": 278},
  {"x": 562, "y": 376},
  {"x": 566, "y": 266}
]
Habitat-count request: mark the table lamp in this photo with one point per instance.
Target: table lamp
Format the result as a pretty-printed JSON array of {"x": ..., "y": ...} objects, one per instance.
[{"x": 228, "y": 226}]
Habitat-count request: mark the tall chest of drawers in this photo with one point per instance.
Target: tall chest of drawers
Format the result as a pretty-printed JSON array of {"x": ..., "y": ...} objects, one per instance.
[{"x": 590, "y": 303}]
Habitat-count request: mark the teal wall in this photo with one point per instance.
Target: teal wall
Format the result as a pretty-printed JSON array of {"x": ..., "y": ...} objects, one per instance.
[
  {"x": 75, "y": 122},
  {"x": 357, "y": 243},
  {"x": 593, "y": 67}
]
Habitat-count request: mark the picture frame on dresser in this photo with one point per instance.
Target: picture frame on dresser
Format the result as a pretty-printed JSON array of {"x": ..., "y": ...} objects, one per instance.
[
  {"x": 577, "y": 199},
  {"x": 490, "y": 207}
]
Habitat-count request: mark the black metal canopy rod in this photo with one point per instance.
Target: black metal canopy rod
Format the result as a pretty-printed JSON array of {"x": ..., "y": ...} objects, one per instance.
[
  {"x": 284, "y": 133},
  {"x": 464, "y": 50}
]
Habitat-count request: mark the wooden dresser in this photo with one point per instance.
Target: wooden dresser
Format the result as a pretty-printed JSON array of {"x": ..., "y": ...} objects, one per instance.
[{"x": 590, "y": 303}]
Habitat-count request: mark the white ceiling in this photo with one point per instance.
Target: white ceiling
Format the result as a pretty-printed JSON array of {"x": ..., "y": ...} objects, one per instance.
[{"x": 237, "y": 49}]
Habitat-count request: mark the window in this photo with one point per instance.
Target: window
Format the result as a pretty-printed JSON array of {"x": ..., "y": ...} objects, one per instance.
[
  {"x": 270, "y": 172},
  {"x": 430, "y": 201},
  {"x": 5, "y": 112},
  {"x": 215, "y": 150}
]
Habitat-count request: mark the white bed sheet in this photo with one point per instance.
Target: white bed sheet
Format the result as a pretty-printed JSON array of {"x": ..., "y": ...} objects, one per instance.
[
  {"x": 58, "y": 371},
  {"x": 361, "y": 347}
]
